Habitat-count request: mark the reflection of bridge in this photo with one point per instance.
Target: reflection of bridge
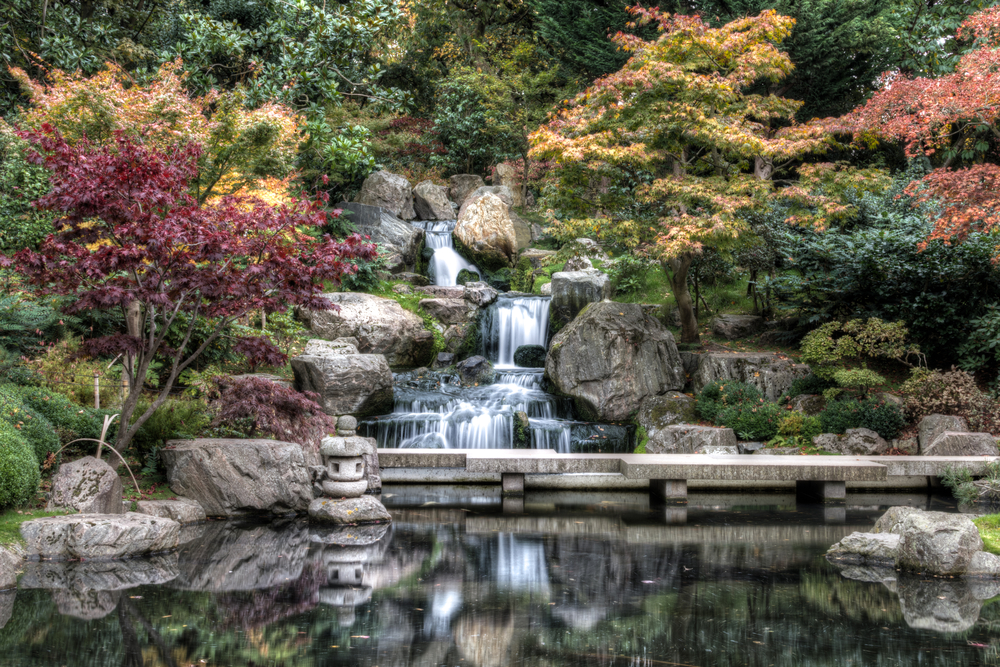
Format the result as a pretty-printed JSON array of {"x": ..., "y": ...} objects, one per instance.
[{"x": 667, "y": 475}]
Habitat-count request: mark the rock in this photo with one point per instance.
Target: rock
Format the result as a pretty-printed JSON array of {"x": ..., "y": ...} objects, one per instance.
[
  {"x": 443, "y": 291},
  {"x": 352, "y": 447},
  {"x": 808, "y": 404},
  {"x": 486, "y": 234},
  {"x": 719, "y": 450},
  {"x": 892, "y": 520},
  {"x": 950, "y": 443},
  {"x": 508, "y": 177},
  {"x": 771, "y": 373},
  {"x": 86, "y": 605},
  {"x": 381, "y": 326},
  {"x": 522, "y": 231},
  {"x": 402, "y": 288},
  {"x": 530, "y": 356},
  {"x": 231, "y": 476},
  {"x": 856, "y": 441},
  {"x": 444, "y": 360},
  {"x": 414, "y": 279},
  {"x": 750, "y": 447},
  {"x": 546, "y": 289},
  {"x": 907, "y": 445},
  {"x": 99, "y": 536},
  {"x": 463, "y": 185},
  {"x": 984, "y": 564},
  {"x": 688, "y": 439},
  {"x": 732, "y": 327},
  {"x": 331, "y": 347},
  {"x": 932, "y": 426},
  {"x": 181, "y": 510},
  {"x": 938, "y": 543},
  {"x": 389, "y": 191},
  {"x": 10, "y": 564},
  {"x": 610, "y": 358},
  {"x": 449, "y": 311},
  {"x": 940, "y": 606},
  {"x": 573, "y": 290},
  {"x": 866, "y": 548},
  {"x": 577, "y": 263},
  {"x": 658, "y": 412},
  {"x": 537, "y": 256},
  {"x": 359, "y": 384},
  {"x": 87, "y": 485},
  {"x": 365, "y": 509},
  {"x": 778, "y": 451},
  {"x": 398, "y": 238},
  {"x": 479, "y": 294},
  {"x": 454, "y": 337},
  {"x": 430, "y": 202},
  {"x": 874, "y": 574},
  {"x": 475, "y": 370},
  {"x": 504, "y": 193}
]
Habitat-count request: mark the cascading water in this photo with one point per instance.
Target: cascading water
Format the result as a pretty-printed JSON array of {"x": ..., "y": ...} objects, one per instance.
[
  {"x": 445, "y": 264},
  {"x": 513, "y": 321}
]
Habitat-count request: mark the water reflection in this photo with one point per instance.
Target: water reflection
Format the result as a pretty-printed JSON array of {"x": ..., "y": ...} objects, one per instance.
[{"x": 574, "y": 580}]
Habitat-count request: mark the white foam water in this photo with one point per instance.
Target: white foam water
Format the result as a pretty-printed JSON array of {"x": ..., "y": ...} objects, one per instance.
[
  {"x": 512, "y": 322},
  {"x": 445, "y": 264}
]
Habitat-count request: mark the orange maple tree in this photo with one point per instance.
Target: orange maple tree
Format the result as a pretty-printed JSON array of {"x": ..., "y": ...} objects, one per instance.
[
  {"x": 953, "y": 120},
  {"x": 683, "y": 109}
]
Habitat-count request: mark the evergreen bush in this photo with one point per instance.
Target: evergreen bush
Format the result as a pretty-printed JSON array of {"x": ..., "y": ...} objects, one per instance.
[
  {"x": 18, "y": 468},
  {"x": 32, "y": 426},
  {"x": 872, "y": 413},
  {"x": 722, "y": 394}
]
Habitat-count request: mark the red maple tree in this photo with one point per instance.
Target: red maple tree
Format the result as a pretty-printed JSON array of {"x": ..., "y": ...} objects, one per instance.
[{"x": 131, "y": 237}]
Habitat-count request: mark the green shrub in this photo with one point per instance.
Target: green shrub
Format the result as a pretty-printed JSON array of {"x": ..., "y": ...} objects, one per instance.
[
  {"x": 799, "y": 425},
  {"x": 872, "y": 413},
  {"x": 71, "y": 421},
  {"x": 176, "y": 418},
  {"x": 810, "y": 384},
  {"x": 951, "y": 393},
  {"x": 722, "y": 394},
  {"x": 33, "y": 427},
  {"x": 833, "y": 346},
  {"x": 21, "y": 182},
  {"x": 18, "y": 468},
  {"x": 523, "y": 279},
  {"x": 752, "y": 421}
]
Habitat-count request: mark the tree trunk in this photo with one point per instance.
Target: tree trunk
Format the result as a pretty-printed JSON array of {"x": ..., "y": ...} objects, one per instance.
[
  {"x": 677, "y": 272},
  {"x": 763, "y": 168}
]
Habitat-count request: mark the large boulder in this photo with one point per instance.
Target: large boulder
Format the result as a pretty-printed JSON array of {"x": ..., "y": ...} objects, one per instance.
[
  {"x": 932, "y": 426},
  {"x": 504, "y": 193},
  {"x": 658, "y": 412},
  {"x": 691, "y": 439},
  {"x": 530, "y": 356},
  {"x": 732, "y": 327},
  {"x": 855, "y": 442},
  {"x": 181, "y": 510},
  {"x": 573, "y": 290},
  {"x": 962, "y": 444},
  {"x": 431, "y": 202},
  {"x": 485, "y": 233},
  {"x": 347, "y": 384},
  {"x": 938, "y": 543},
  {"x": 99, "y": 536},
  {"x": 509, "y": 178},
  {"x": 381, "y": 326},
  {"x": 229, "y": 477},
  {"x": 475, "y": 371},
  {"x": 87, "y": 485},
  {"x": 449, "y": 311},
  {"x": 10, "y": 563},
  {"x": 773, "y": 374},
  {"x": 365, "y": 509},
  {"x": 389, "y": 191},
  {"x": 893, "y": 519},
  {"x": 400, "y": 240},
  {"x": 479, "y": 294},
  {"x": 463, "y": 185},
  {"x": 611, "y": 357},
  {"x": 523, "y": 235},
  {"x": 866, "y": 548}
]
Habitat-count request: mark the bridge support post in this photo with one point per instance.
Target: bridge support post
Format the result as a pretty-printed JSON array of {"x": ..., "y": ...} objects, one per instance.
[
  {"x": 820, "y": 491},
  {"x": 512, "y": 484},
  {"x": 674, "y": 490}
]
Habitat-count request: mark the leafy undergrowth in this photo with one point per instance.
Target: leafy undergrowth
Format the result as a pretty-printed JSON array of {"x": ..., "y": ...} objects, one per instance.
[
  {"x": 11, "y": 520},
  {"x": 989, "y": 530}
]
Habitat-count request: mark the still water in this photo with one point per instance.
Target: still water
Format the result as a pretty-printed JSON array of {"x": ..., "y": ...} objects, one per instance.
[{"x": 601, "y": 580}]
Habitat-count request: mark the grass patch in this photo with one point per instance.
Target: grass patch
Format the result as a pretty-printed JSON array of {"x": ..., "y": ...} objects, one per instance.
[
  {"x": 989, "y": 530},
  {"x": 411, "y": 302},
  {"x": 11, "y": 520},
  {"x": 642, "y": 438}
]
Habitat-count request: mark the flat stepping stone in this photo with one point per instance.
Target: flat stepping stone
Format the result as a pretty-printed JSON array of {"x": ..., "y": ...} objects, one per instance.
[
  {"x": 180, "y": 510},
  {"x": 99, "y": 536}
]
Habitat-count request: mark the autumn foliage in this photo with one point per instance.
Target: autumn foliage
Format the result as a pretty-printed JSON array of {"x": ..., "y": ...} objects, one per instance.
[{"x": 129, "y": 236}]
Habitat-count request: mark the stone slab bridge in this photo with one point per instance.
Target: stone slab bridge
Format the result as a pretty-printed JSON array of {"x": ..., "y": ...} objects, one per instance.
[{"x": 816, "y": 478}]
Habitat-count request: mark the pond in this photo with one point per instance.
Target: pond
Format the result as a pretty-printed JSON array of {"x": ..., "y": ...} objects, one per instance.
[{"x": 587, "y": 579}]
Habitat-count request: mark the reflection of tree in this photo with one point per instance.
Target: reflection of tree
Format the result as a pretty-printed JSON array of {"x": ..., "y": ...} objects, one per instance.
[{"x": 247, "y": 610}]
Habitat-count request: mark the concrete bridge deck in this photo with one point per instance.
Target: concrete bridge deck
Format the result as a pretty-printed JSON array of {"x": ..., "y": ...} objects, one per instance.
[{"x": 819, "y": 477}]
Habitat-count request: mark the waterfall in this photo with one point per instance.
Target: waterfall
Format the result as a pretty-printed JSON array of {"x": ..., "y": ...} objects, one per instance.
[
  {"x": 512, "y": 322},
  {"x": 445, "y": 263}
]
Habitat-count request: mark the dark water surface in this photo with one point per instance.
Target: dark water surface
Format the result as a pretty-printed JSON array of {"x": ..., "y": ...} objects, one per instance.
[{"x": 597, "y": 580}]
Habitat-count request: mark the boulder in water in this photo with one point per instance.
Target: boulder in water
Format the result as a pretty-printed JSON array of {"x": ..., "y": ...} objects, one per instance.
[
  {"x": 365, "y": 509},
  {"x": 486, "y": 234},
  {"x": 444, "y": 360},
  {"x": 381, "y": 326},
  {"x": 476, "y": 370},
  {"x": 10, "y": 563},
  {"x": 389, "y": 191},
  {"x": 573, "y": 290},
  {"x": 431, "y": 202},
  {"x": 463, "y": 185},
  {"x": 354, "y": 384},
  {"x": 611, "y": 357},
  {"x": 479, "y": 294},
  {"x": 105, "y": 536},
  {"x": 530, "y": 356},
  {"x": 938, "y": 543}
]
